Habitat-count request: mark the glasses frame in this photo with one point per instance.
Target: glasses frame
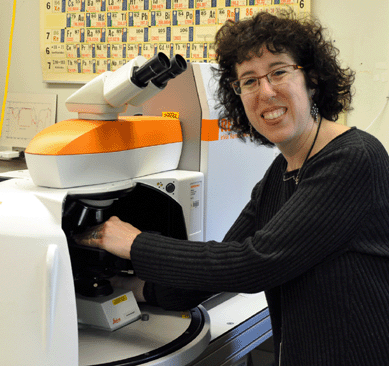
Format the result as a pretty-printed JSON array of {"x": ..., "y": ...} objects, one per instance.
[{"x": 258, "y": 78}]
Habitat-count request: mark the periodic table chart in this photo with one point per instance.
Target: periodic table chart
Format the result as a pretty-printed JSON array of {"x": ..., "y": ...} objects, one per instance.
[{"x": 83, "y": 38}]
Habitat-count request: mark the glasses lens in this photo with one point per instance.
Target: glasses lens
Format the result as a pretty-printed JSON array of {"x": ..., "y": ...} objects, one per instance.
[{"x": 245, "y": 85}]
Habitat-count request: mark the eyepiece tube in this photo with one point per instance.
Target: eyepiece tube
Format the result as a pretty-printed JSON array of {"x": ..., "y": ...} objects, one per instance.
[
  {"x": 150, "y": 69},
  {"x": 177, "y": 66}
]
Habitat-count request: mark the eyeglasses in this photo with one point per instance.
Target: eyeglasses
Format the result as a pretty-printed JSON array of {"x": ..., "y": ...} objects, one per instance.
[{"x": 250, "y": 84}]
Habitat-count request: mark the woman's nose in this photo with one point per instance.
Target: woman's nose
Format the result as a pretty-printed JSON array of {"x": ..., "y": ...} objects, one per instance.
[{"x": 266, "y": 90}]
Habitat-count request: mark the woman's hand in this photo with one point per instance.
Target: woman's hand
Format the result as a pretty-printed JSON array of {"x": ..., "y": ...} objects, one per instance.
[{"x": 114, "y": 235}]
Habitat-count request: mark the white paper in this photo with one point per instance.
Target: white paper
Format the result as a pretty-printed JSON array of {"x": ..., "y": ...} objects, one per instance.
[{"x": 26, "y": 115}]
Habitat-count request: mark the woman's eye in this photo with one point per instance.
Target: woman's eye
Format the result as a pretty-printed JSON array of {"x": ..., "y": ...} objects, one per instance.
[
  {"x": 278, "y": 73},
  {"x": 249, "y": 82}
]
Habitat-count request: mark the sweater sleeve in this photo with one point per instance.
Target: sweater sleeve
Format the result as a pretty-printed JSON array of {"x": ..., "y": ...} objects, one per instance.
[
  {"x": 172, "y": 298},
  {"x": 318, "y": 221}
]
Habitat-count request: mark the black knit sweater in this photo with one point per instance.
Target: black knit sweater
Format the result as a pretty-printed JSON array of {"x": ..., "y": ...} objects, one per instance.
[{"x": 319, "y": 250}]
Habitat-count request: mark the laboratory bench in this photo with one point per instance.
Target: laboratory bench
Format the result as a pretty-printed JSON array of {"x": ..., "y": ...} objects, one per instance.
[{"x": 13, "y": 164}]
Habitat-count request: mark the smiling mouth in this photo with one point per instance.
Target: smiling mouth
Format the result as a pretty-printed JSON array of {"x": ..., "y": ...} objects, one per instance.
[{"x": 274, "y": 114}]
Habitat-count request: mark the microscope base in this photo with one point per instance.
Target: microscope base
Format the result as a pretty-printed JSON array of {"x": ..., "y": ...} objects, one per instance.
[{"x": 108, "y": 312}]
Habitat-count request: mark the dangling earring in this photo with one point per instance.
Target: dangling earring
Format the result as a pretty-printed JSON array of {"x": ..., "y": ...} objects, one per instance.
[
  {"x": 314, "y": 111},
  {"x": 314, "y": 108}
]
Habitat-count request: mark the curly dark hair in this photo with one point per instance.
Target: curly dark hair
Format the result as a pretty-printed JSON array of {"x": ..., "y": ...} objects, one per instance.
[{"x": 304, "y": 40}]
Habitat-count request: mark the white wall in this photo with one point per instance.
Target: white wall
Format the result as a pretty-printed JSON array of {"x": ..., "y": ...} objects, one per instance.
[{"x": 359, "y": 28}]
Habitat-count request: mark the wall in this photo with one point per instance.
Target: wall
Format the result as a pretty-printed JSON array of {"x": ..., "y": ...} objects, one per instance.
[{"x": 360, "y": 31}]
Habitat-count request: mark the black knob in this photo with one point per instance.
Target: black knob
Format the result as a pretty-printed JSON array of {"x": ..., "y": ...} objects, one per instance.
[{"x": 170, "y": 188}]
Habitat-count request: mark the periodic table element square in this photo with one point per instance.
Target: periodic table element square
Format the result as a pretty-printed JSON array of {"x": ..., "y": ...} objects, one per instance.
[
  {"x": 87, "y": 50},
  {"x": 182, "y": 49},
  {"x": 160, "y": 34},
  {"x": 75, "y": 5},
  {"x": 93, "y": 6},
  {"x": 73, "y": 51},
  {"x": 101, "y": 66},
  {"x": 117, "y": 20},
  {"x": 138, "y": 35},
  {"x": 76, "y": 20},
  {"x": 74, "y": 66},
  {"x": 58, "y": 6},
  {"x": 116, "y": 50},
  {"x": 202, "y": 4},
  {"x": 206, "y": 16},
  {"x": 101, "y": 50},
  {"x": 148, "y": 50},
  {"x": 117, "y": 35},
  {"x": 89, "y": 66},
  {"x": 138, "y": 5},
  {"x": 199, "y": 51},
  {"x": 166, "y": 48},
  {"x": 55, "y": 35},
  {"x": 94, "y": 35},
  {"x": 183, "y": 17},
  {"x": 74, "y": 35},
  {"x": 133, "y": 50},
  {"x": 117, "y": 5},
  {"x": 182, "y": 4},
  {"x": 182, "y": 34},
  {"x": 96, "y": 20},
  {"x": 113, "y": 64},
  {"x": 224, "y": 14},
  {"x": 161, "y": 18},
  {"x": 138, "y": 19}
]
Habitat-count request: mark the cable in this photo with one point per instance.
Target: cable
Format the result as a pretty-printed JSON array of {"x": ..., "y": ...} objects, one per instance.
[
  {"x": 8, "y": 66},
  {"x": 379, "y": 114}
]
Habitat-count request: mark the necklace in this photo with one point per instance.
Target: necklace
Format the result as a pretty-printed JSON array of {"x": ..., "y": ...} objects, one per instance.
[{"x": 297, "y": 177}]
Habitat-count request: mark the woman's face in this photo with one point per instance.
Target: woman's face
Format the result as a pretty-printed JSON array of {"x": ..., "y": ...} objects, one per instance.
[{"x": 280, "y": 113}]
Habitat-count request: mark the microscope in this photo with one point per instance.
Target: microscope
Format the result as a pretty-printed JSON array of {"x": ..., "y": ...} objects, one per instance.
[{"x": 101, "y": 148}]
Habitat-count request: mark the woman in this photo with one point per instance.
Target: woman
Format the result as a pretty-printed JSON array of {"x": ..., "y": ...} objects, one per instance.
[{"x": 314, "y": 235}]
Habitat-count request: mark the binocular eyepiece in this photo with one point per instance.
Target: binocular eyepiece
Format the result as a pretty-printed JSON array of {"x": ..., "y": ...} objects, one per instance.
[
  {"x": 177, "y": 66},
  {"x": 159, "y": 70}
]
